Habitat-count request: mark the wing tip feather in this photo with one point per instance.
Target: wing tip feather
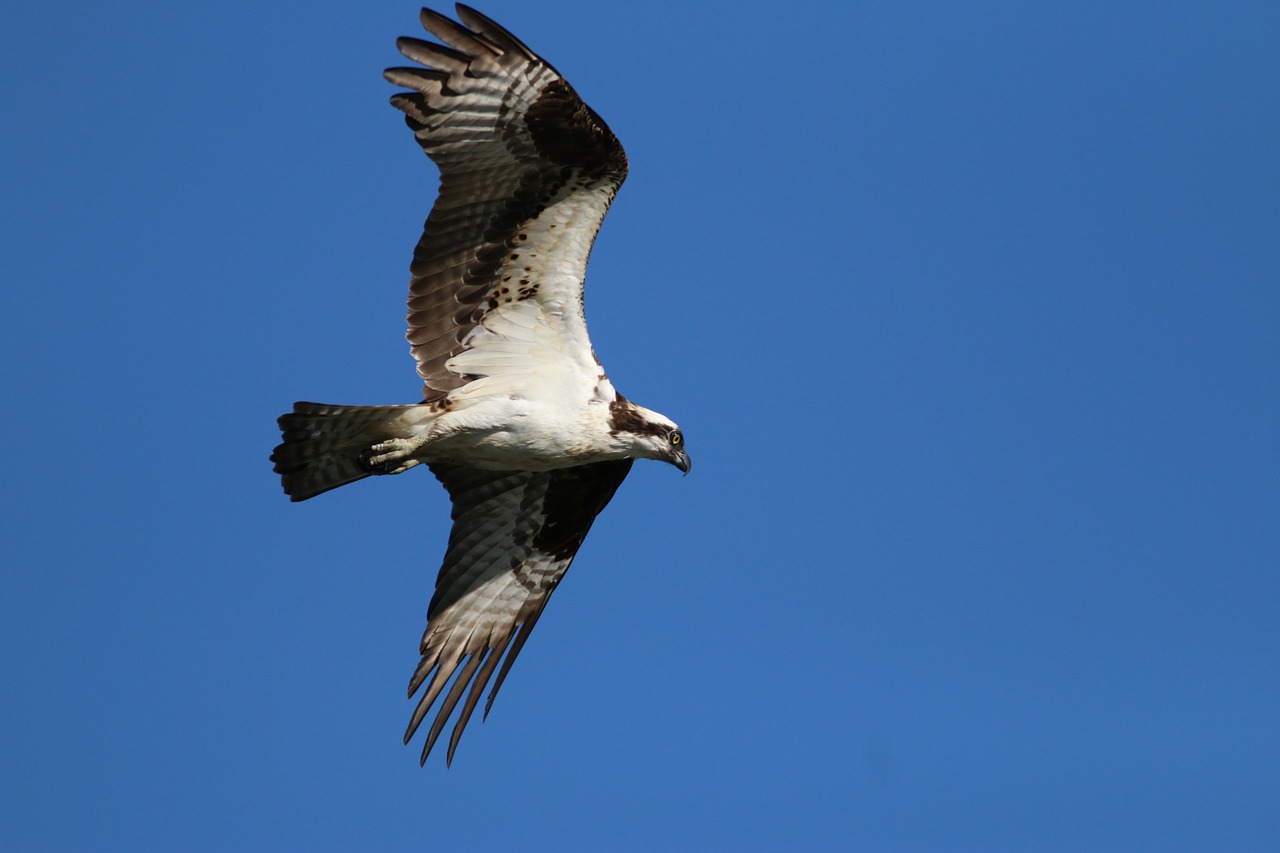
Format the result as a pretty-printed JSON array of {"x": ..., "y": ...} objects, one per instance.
[{"x": 456, "y": 34}]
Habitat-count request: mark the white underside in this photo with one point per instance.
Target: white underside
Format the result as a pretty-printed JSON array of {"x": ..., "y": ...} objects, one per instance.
[{"x": 539, "y": 399}]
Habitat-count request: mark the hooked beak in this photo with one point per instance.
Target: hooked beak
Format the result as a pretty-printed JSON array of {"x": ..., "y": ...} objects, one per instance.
[{"x": 681, "y": 461}]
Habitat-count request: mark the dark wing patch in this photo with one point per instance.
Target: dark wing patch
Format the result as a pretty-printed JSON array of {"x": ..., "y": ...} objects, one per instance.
[
  {"x": 567, "y": 132},
  {"x": 511, "y": 138},
  {"x": 514, "y": 536}
]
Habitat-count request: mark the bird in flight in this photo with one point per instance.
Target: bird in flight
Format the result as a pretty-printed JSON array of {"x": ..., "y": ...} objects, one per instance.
[{"x": 518, "y": 420}]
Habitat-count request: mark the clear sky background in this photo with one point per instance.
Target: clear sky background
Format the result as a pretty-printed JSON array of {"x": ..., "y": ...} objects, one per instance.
[{"x": 971, "y": 315}]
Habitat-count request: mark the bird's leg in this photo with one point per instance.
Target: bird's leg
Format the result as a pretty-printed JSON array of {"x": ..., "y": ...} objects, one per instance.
[{"x": 395, "y": 455}]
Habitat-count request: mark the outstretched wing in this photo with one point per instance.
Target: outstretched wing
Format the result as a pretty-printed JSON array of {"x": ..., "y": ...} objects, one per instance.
[
  {"x": 527, "y": 173},
  {"x": 514, "y": 535}
]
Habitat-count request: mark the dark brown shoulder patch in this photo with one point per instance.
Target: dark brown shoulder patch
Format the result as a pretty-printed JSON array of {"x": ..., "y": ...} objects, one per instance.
[{"x": 569, "y": 133}]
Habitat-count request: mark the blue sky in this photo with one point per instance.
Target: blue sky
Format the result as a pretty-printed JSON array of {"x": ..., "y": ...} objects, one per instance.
[{"x": 969, "y": 313}]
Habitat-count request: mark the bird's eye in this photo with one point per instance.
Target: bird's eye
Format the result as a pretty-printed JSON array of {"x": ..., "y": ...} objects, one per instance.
[{"x": 676, "y": 439}]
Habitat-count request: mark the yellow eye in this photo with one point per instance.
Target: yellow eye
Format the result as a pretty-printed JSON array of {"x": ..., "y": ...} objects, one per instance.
[{"x": 676, "y": 439}]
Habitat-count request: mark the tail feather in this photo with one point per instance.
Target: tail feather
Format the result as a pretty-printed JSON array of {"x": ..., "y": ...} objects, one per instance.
[{"x": 325, "y": 446}]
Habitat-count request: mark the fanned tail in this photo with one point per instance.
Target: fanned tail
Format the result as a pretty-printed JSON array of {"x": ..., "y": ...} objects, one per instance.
[{"x": 325, "y": 446}]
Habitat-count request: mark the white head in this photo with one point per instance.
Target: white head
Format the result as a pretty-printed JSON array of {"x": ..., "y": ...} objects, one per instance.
[{"x": 651, "y": 435}]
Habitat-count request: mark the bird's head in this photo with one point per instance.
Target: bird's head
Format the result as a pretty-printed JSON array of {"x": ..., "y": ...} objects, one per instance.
[{"x": 650, "y": 435}]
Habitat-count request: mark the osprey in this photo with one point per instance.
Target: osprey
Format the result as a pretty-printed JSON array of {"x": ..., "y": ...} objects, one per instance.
[{"x": 518, "y": 420}]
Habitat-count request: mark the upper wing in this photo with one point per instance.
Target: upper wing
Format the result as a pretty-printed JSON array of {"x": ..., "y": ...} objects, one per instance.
[
  {"x": 514, "y": 535},
  {"x": 527, "y": 173}
]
